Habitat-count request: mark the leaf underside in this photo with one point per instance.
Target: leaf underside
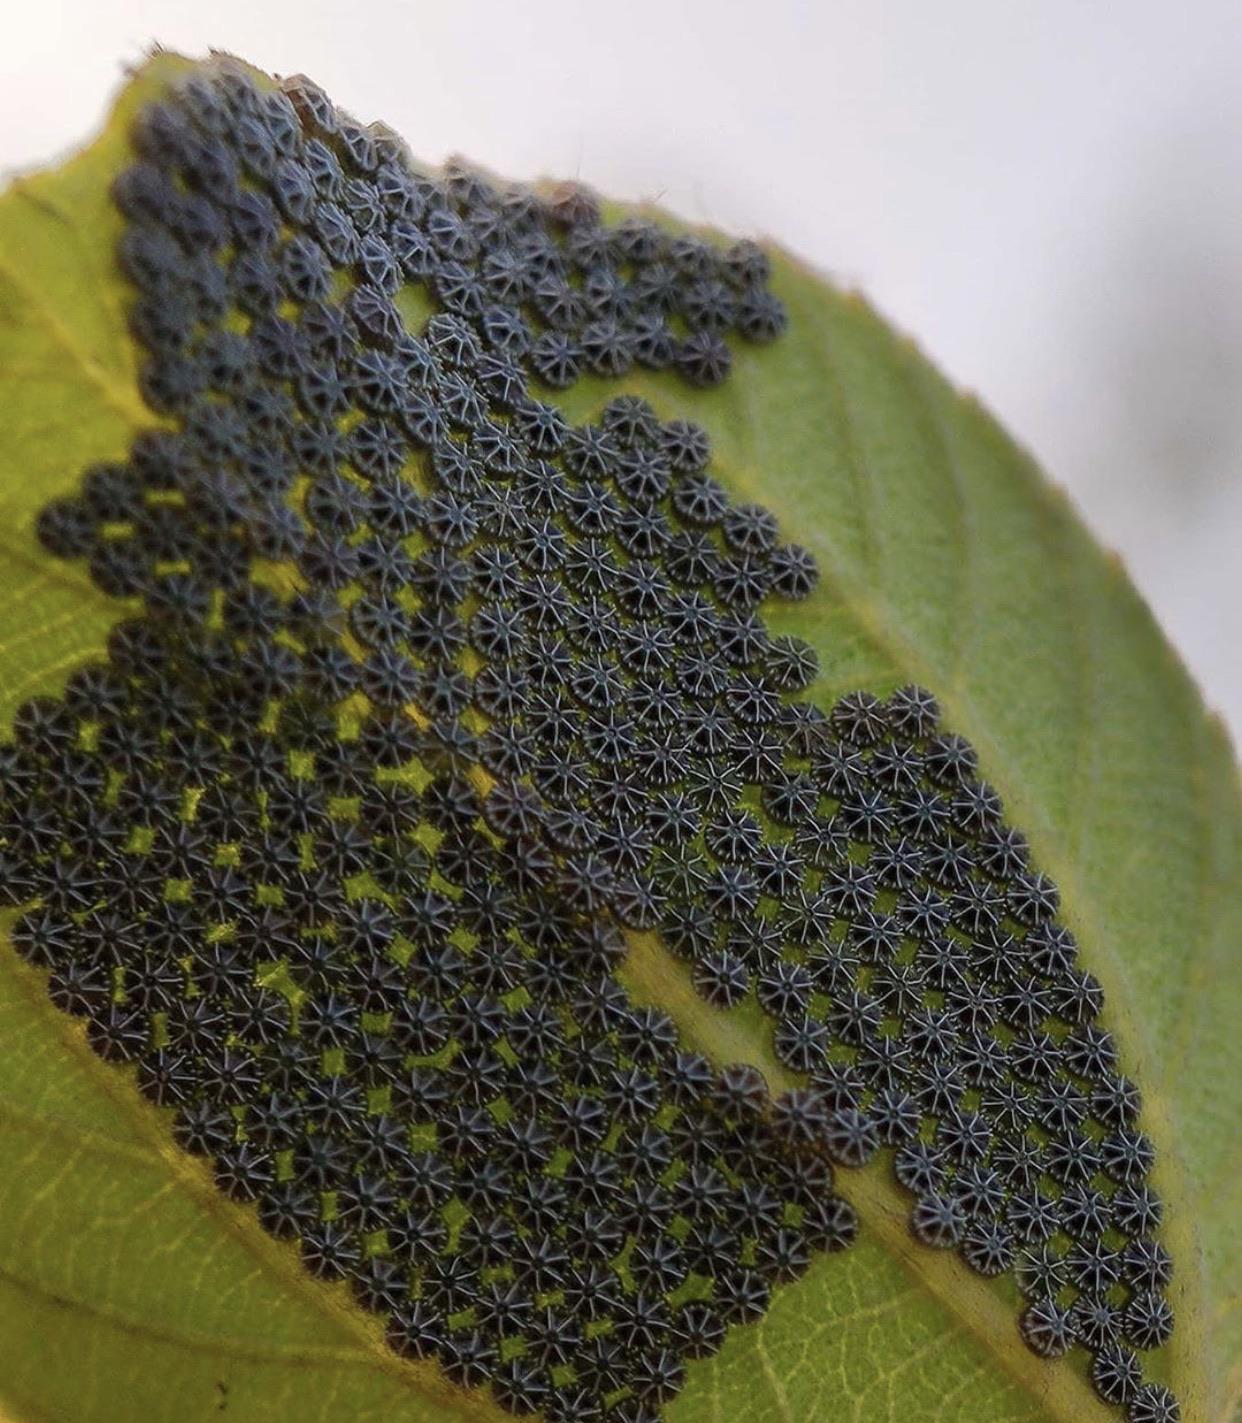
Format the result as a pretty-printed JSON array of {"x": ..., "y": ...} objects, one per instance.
[{"x": 131, "y": 1288}]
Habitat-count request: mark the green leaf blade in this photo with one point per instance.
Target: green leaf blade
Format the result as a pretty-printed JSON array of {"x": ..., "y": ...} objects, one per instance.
[
  {"x": 946, "y": 559},
  {"x": 170, "y": 1300}
]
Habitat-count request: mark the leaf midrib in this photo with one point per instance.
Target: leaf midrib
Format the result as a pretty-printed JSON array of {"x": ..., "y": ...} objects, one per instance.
[{"x": 654, "y": 976}]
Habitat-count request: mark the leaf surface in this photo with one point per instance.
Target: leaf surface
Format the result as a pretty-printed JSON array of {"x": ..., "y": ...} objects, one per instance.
[{"x": 130, "y": 1288}]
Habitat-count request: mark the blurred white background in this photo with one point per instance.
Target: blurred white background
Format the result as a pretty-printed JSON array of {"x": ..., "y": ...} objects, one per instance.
[{"x": 1047, "y": 195}]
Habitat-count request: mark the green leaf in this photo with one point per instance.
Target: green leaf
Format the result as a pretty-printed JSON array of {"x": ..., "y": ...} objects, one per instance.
[{"x": 130, "y": 1288}]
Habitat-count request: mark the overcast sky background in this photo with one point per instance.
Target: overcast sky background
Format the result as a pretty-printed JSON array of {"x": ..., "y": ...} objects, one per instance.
[{"x": 1048, "y": 195}]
